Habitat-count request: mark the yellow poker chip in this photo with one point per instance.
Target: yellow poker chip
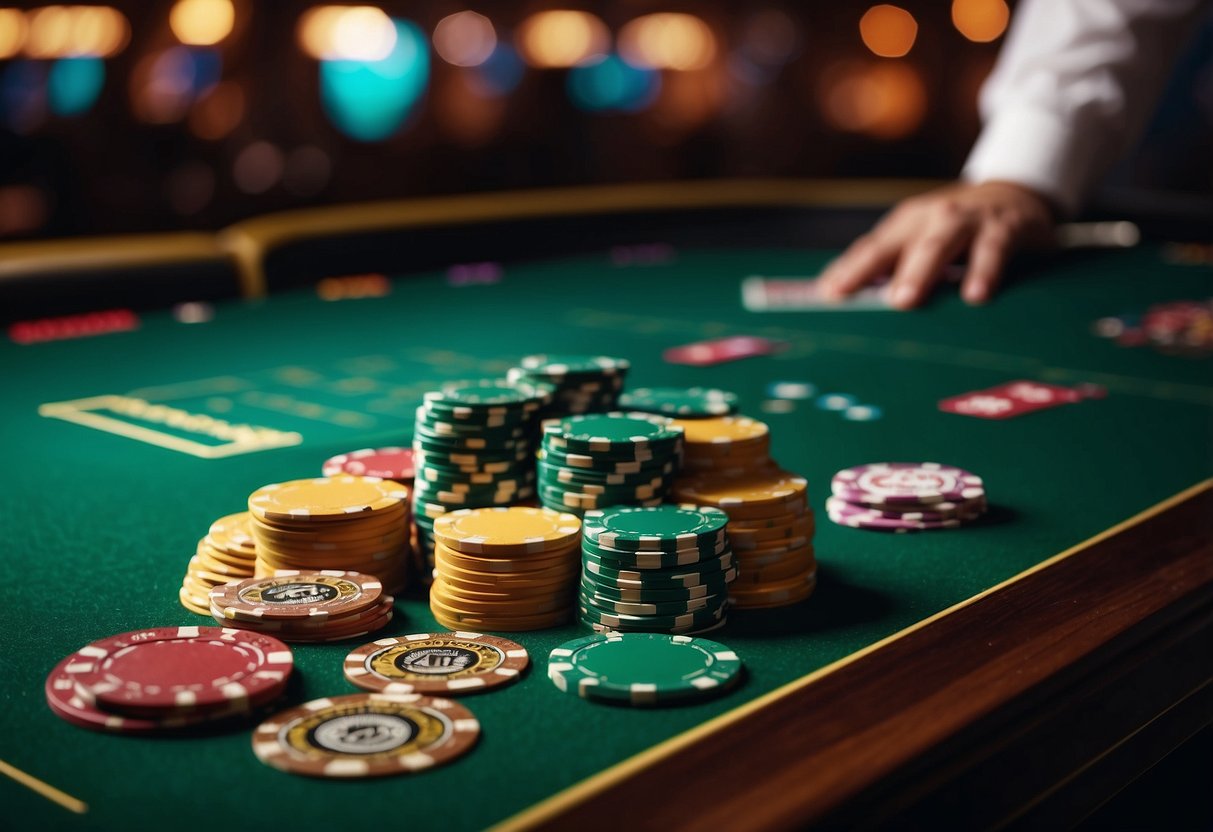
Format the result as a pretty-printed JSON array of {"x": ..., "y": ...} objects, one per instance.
[
  {"x": 326, "y": 498},
  {"x": 724, "y": 432},
  {"x": 513, "y": 530},
  {"x": 754, "y": 490}
]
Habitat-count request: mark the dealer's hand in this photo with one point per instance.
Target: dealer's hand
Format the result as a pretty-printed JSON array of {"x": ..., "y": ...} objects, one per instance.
[{"x": 925, "y": 233}]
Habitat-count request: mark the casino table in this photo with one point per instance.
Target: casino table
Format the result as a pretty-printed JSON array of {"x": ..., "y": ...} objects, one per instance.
[{"x": 1016, "y": 671}]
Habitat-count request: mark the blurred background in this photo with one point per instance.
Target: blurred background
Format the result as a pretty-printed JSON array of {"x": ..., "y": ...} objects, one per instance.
[{"x": 192, "y": 114}]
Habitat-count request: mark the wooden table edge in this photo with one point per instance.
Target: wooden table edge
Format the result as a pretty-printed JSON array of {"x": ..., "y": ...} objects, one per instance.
[{"x": 786, "y": 758}]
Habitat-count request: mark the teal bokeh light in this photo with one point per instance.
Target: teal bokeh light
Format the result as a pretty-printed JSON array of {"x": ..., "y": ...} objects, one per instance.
[
  {"x": 611, "y": 84},
  {"x": 74, "y": 84},
  {"x": 370, "y": 100}
]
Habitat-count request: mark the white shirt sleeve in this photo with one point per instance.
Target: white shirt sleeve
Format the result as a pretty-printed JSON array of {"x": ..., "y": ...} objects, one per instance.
[{"x": 1073, "y": 87}]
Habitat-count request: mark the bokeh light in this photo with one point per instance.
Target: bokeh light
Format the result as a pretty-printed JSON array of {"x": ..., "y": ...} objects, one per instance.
[
  {"x": 13, "y": 30},
  {"x": 888, "y": 31},
  {"x": 258, "y": 167},
  {"x": 883, "y": 100},
  {"x": 667, "y": 40},
  {"x": 307, "y": 171},
  {"x": 217, "y": 113},
  {"x": 770, "y": 37},
  {"x": 501, "y": 73},
  {"x": 612, "y": 85},
  {"x": 23, "y": 208},
  {"x": 347, "y": 33},
  {"x": 202, "y": 22},
  {"x": 165, "y": 84},
  {"x": 689, "y": 100},
  {"x": 369, "y": 100},
  {"x": 466, "y": 110},
  {"x": 981, "y": 21},
  {"x": 75, "y": 32},
  {"x": 558, "y": 39},
  {"x": 465, "y": 39},
  {"x": 73, "y": 85}
]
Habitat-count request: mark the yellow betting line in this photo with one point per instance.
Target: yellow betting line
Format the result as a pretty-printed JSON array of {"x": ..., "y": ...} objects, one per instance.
[{"x": 48, "y": 791}]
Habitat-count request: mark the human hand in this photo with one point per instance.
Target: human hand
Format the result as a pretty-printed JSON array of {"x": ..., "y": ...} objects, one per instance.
[{"x": 925, "y": 233}]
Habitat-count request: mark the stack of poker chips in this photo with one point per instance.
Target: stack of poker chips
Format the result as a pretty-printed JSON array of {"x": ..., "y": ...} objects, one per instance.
[
  {"x": 665, "y": 569},
  {"x": 344, "y": 522},
  {"x": 584, "y": 383},
  {"x": 607, "y": 459},
  {"x": 168, "y": 679},
  {"x": 473, "y": 448},
  {"x": 505, "y": 569},
  {"x": 728, "y": 465},
  {"x": 308, "y": 607},
  {"x": 226, "y": 553},
  {"x": 906, "y": 496}
]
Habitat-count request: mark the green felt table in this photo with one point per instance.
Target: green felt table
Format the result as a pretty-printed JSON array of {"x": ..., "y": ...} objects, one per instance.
[{"x": 106, "y": 497}]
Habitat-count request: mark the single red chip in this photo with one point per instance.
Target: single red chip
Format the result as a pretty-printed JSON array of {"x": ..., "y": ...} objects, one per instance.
[
  {"x": 180, "y": 670},
  {"x": 386, "y": 463}
]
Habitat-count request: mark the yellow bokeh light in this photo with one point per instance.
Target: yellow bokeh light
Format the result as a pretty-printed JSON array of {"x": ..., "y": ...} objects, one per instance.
[
  {"x": 12, "y": 32},
  {"x": 667, "y": 40},
  {"x": 981, "y": 21},
  {"x": 346, "y": 33},
  {"x": 465, "y": 39},
  {"x": 889, "y": 31},
  {"x": 202, "y": 22},
  {"x": 50, "y": 32},
  {"x": 75, "y": 31},
  {"x": 885, "y": 100},
  {"x": 557, "y": 39}
]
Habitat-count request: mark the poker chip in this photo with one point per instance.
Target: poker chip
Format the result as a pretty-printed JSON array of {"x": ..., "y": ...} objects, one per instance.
[
  {"x": 643, "y": 668},
  {"x": 582, "y": 383},
  {"x": 678, "y": 401},
  {"x": 180, "y": 670},
  {"x": 304, "y": 606},
  {"x": 861, "y": 517},
  {"x": 427, "y": 663},
  {"x": 386, "y": 463},
  {"x": 665, "y": 527},
  {"x": 168, "y": 679},
  {"x": 366, "y": 735},
  {"x": 345, "y": 522},
  {"x": 227, "y": 552},
  {"x": 906, "y": 484}
]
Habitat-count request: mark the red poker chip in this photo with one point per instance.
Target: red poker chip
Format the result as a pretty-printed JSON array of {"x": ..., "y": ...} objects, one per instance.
[
  {"x": 386, "y": 463},
  {"x": 180, "y": 670}
]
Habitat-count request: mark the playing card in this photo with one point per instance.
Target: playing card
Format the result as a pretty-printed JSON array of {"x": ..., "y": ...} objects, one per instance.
[
  {"x": 800, "y": 294},
  {"x": 1014, "y": 398},
  {"x": 720, "y": 350}
]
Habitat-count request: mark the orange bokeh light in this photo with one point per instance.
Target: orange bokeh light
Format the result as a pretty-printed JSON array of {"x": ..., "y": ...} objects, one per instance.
[
  {"x": 882, "y": 100},
  {"x": 981, "y": 21},
  {"x": 889, "y": 31},
  {"x": 557, "y": 39}
]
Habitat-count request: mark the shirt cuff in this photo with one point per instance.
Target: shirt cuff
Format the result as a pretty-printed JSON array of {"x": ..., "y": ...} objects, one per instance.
[{"x": 1033, "y": 148}]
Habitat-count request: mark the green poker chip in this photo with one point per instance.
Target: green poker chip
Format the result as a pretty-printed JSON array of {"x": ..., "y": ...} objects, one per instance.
[
  {"x": 680, "y": 401},
  {"x": 603, "y": 464},
  {"x": 490, "y": 393},
  {"x": 620, "y": 434},
  {"x": 677, "y": 606},
  {"x": 625, "y": 561},
  {"x": 558, "y": 366},
  {"x": 652, "y": 622},
  {"x": 643, "y": 668},
  {"x": 666, "y": 528},
  {"x": 604, "y": 588},
  {"x": 657, "y": 576}
]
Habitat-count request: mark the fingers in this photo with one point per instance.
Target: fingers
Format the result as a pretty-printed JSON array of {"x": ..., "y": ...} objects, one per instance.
[
  {"x": 865, "y": 259},
  {"x": 991, "y": 248},
  {"x": 922, "y": 262}
]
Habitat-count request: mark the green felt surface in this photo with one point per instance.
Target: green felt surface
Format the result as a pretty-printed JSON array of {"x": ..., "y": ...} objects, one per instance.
[{"x": 99, "y": 526}]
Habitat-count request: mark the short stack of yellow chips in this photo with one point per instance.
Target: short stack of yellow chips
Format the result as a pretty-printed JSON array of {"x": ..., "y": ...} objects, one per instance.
[
  {"x": 728, "y": 465},
  {"x": 348, "y": 523},
  {"x": 505, "y": 569},
  {"x": 226, "y": 553}
]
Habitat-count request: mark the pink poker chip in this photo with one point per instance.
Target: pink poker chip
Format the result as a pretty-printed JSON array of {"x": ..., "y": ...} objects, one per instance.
[
  {"x": 906, "y": 483},
  {"x": 385, "y": 463},
  {"x": 861, "y": 517}
]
